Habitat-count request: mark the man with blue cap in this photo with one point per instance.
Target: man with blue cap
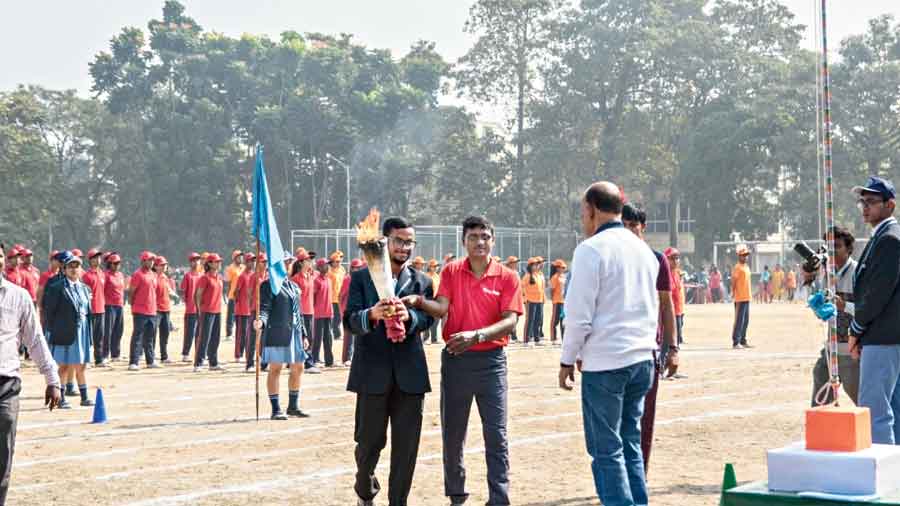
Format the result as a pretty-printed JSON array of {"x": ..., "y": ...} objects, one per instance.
[{"x": 874, "y": 339}]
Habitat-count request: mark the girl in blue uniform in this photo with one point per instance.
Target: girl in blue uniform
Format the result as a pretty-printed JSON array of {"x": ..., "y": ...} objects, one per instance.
[
  {"x": 284, "y": 341},
  {"x": 66, "y": 305}
]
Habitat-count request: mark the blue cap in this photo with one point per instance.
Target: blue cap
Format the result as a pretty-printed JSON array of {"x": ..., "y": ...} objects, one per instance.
[
  {"x": 877, "y": 185},
  {"x": 65, "y": 257}
]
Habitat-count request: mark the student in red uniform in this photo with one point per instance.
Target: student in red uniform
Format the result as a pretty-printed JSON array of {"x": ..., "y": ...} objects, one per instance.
[
  {"x": 12, "y": 267},
  {"x": 482, "y": 301},
  {"x": 208, "y": 298},
  {"x": 29, "y": 273},
  {"x": 256, "y": 280},
  {"x": 188, "y": 287},
  {"x": 242, "y": 311},
  {"x": 95, "y": 279},
  {"x": 164, "y": 285},
  {"x": 323, "y": 312},
  {"x": 347, "y": 349},
  {"x": 53, "y": 271},
  {"x": 142, "y": 295},
  {"x": 114, "y": 298},
  {"x": 303, "y": 275}
]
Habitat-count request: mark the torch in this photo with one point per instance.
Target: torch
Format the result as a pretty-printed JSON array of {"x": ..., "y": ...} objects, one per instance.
[{"x": 374, "y": 248}]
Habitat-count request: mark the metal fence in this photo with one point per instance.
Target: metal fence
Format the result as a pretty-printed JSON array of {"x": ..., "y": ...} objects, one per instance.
[{"x": 437, "y": 241}]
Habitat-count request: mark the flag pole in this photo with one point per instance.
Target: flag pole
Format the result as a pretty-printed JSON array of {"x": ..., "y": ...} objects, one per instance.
[{"x": 258, "y": 334}]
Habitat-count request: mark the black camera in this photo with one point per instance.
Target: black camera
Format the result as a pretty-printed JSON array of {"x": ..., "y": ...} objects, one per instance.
[{"x": 812, "y": 260}]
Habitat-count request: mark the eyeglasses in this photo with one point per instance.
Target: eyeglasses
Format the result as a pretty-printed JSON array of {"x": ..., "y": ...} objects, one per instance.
[
  {"x": 400, "y": 243},
  {"x": 479, "y": 237},
  {"x": 863, "y": 202},
  {"x": 73, "y": 266}
]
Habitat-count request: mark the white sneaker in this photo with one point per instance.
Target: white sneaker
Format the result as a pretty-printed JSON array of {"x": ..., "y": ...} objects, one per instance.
[
  {"x": 314, "y": 370},
  {"x": 154, "y": 365},
  {"x": 216, "y": 368},
  {"x": 198, "y": 369},
  {"x": 229, "y": 338},
  {"x": 167, "y": 361},
  {"x": 347, "y": 363},
  {"x": 185, "y": 359},
  {"x": 133, "y": 367},
  {"x": 240, "y": 360}
]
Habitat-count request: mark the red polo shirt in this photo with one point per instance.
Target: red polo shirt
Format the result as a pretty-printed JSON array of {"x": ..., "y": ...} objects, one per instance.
[
  {"x": 477, "y": 303},
  {"x": 143, "y": 292},
  {"x": 29, "y": 276},
  {"x": 307, "y": 285},
  {"x": 322, "y": 297},
  {"x": 345, "y": 293},
  {"x": 95, "y": 279},
  {"x": 211, "y": 300},
  {"x": 188, "y": 288},
  {"x": 114, "y": 289},
  {"x": 12, "y": 275},
  {"x": 242, "y": 294},
  {"x": 164, "y": 285},
  {"x": 255, "y": 282}
]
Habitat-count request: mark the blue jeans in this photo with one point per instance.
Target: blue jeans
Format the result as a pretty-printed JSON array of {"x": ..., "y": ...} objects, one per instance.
[
  {"x": 142, "y": 338},
  {"x": 879, "y": 390},
  {"x": 612, "y": 405}
]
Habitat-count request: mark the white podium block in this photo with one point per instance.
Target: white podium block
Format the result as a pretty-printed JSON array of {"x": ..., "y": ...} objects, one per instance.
[{"x": 873, "y": 471}]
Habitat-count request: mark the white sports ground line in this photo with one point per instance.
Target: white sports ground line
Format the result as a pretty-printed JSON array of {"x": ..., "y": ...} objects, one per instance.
[
  {"x": 144, "y": 471},
  {"x": 321, "y": 476}
]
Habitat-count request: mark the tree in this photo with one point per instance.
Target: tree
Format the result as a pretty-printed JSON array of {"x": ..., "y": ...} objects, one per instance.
[{"x": 512, "y": 37}]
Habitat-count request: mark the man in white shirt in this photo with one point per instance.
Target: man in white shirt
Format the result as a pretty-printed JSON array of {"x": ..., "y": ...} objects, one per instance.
[
  {"x": 18, "y": 325},
  {"x": 612, "y": 310}
]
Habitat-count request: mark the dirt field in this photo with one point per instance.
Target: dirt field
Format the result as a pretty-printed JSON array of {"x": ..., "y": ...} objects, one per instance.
[{"x": 176, "y": 437}]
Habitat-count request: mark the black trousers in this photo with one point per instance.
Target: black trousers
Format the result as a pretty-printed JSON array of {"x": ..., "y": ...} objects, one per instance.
[
  {"x": 373, "y": 412},
  {"x": 9, "y": 416},
  {"x": 164, "y": 329},
  {"x": 190, "y": 332},
  {"x": 243, "y": 330},
  {"x": 114, "y": 327},
  {"x": 229, "y": 318},
  {"x": 557, "y": 322},
  {"x": 250, "y": 349},
  {"x": 311, "y": 336},
  {"x": 336, "y": 320},
  {"x": 98, "y": 335},
  {"x": 210, "y": 333},
  {"x": 142, "y": 338},
  {"x": 323, "y": 339}
]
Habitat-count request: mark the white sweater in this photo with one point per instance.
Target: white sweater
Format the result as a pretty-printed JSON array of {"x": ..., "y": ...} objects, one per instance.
[{"x": 612, "y": 306}]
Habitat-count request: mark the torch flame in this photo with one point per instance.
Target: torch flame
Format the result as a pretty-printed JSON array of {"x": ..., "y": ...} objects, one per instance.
[{"x": 367, "y": 231}]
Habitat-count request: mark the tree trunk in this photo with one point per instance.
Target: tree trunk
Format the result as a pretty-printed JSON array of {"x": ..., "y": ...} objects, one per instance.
[
  {"x": 522, "y": 76},
  {"x": 674, "y": 214}
]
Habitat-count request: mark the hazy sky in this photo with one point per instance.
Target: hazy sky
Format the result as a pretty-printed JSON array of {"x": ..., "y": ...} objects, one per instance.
[{"x": 51, "y": 42}]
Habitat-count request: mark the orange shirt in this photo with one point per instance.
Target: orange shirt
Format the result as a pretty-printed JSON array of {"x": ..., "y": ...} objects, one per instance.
[
  {"x": 558, "y": 288},
  {"x": 677, "y": 292},
  {"x": 232, "y": 273},
  {"x": 740, "y": 283},
  {"x": 336, "y": 278},
  {"x": 533, "y": 292},
  {"x": 791, "y": 281}
]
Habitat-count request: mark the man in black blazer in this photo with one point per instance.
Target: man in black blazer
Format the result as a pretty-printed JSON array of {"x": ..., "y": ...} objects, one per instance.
[
  {"x": 390, "y": 379},
  {"x": 875, "y": 329}
]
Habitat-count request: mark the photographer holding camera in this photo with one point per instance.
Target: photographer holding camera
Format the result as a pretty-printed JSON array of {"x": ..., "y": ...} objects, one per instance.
[
  {"x": 848, "y": 367},
  {"x": 875, "y": 328}
]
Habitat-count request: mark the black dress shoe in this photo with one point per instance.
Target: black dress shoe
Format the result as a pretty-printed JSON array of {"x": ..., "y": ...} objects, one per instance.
[{"x": 297, "y": 413}]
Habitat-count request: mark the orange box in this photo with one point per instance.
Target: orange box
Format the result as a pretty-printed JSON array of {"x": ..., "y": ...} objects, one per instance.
[{"x": 838, "y": 429}]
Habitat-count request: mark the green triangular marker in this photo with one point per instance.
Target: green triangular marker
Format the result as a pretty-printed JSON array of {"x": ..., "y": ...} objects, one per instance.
[{"x": 729, "y": 481}]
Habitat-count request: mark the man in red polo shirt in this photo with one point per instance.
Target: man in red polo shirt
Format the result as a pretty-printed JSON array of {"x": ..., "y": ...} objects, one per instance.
[
  {"x": 208, "y": 298},
  {"x": 188, "y": 287},
  {"x": 114, "y": 295},
  {"x": 95, "y": 279},
  {"x": 482, "y": 301},
  {"x": 142, "y": 295}
]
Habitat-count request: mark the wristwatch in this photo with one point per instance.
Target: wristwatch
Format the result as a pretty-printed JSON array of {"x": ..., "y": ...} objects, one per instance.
[{"x": 480, "y": 336}]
